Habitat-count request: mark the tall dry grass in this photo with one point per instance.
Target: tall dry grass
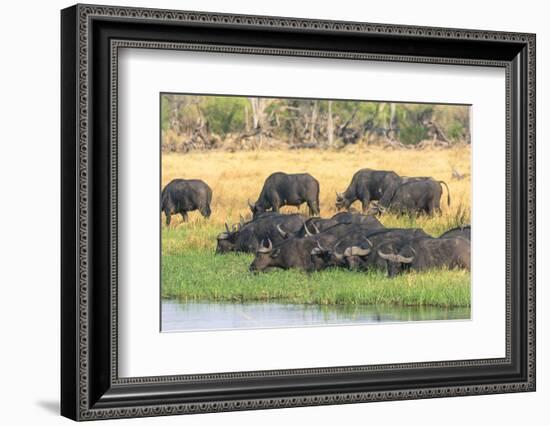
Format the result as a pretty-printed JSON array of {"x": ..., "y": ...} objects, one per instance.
[{"x": 236, "y": 177}]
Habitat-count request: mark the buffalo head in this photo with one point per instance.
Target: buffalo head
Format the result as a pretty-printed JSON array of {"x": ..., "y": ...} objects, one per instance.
[
  {"x": 320, "y": 256},
  {"x": 256, "y": 209},
  {"x": 355, "y": 257},
  {"x": 341, "y": 201},
  {"x": 266, "y": 257},
  {"x": 226, "y": 240},
  {"x": 396, "y": 263}
]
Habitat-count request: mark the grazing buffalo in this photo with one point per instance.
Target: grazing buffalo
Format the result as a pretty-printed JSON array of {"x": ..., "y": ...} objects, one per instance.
[
  {"x": 357, "y": 251},
  {"x": 281, "y": 189},
  {"x": 401, "y": 194},
  {"x": 248, "y": 236},
  {"x": 300, "y": 253},
  {"x": 185, "y": 195},
  {"x": 425, "y": 253},
  {"x": 418, "y": 195},
  {"x": 230, "y": 240},
  {"x": 460, "y": 231},
  {"x": 316, "y": 225},
  {"x": 367, "y": 185}
]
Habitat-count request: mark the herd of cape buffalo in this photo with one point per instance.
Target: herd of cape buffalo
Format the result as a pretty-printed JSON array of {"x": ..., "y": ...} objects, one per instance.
[{"x": 357, "y": 241}]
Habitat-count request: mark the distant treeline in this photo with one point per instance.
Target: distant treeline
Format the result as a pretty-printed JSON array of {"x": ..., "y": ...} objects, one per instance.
[{"x": 234, "y": 123}]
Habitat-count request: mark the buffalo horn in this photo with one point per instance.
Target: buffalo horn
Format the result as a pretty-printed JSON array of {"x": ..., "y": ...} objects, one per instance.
[
  {"x": 338, "y": 256},
  {"x": 283, "y": 233},
  {"x": 368, "y": 241},
  {"x": 309, "y": 234},
  {"x": 318, "y": 250},
  {"x": 395, "y": 257},
  {"x": 263, "y": 248},
  {"x": 315, "y": 228},
  {"x": 356, "y": 251},
  {"x": 359, "y": 251}
]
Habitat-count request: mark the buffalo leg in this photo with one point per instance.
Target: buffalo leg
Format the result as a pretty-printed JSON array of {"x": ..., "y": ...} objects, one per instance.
[
  {"x": 365, "y": 202},
  {"x": 433, "y": 208},
  {"x": 184, "y": 216},
  {"x": 274, "y": 201},
  {"x": 168, "y": 217},
  {"x": 437, "y": 207},
  {"x": 313, "y": 208}
]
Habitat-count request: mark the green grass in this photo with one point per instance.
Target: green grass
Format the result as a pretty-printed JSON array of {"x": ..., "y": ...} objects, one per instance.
[{"x": 199, "y": 274}]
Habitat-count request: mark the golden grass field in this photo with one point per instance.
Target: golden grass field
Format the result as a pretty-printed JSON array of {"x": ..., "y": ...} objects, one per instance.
[{"x": 238, "y": 176}]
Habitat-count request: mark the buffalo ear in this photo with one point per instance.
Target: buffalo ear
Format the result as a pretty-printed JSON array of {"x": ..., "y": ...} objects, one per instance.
[{"x": 275, "y": 252}]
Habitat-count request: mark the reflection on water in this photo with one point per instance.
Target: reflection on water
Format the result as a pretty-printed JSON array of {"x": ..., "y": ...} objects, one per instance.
[{"x": 194, "y": 316}]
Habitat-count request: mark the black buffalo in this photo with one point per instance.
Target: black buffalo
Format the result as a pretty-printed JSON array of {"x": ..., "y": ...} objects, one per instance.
[
  {"x": 316, "y": 225},
  {"x": 248, "y": 236},
  {"x": 367, "y": 185},
  {"x": 342, "y": 230},
  {"x": 401, "y": 194},
  {"x": 351, "y": 244},
  {"x": 185, "y": 195},
  {"x": 425, "y": 253},
  {"x": 415, "y": 195},
  {"x": 460, "y": 231},
  {"x": 281, "y": 189},
  {"x": 358, "y": 251},
  {"x": 299, "y": 253}
]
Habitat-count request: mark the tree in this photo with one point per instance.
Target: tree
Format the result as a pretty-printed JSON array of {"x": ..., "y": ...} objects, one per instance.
[
  {"x": 330, "y": 125},
  {"x": 313, "y": 121}
]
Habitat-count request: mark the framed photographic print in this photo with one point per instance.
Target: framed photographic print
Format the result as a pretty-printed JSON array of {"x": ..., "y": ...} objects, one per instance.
[{"x": 263, "y": 212}]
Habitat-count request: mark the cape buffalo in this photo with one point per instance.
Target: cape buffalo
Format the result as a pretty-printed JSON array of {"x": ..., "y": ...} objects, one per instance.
[
  {"x": 281, "y": 189},
  {"x": 424, "y": 253},
  {"x": 366, "y": 185},
  {"x": 352, "y": 244},
  {"x": 185, "y": 195},
  {"x": 416, "y": 195},
  {"x": 315, "y": 225},
  {"x": 460, "y": 231},
  {"x": 247, "y": 237},
  {"x": 300, "y": 253},
  {"x": 358, "y": 251},
  {"x": 341, "y": 230}
]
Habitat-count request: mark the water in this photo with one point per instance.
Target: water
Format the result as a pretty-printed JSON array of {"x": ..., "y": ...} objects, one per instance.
[{"x": 195, "y": 316}]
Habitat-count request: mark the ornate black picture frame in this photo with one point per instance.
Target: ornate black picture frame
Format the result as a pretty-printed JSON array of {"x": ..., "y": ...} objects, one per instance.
[{"x": 91, "y": 36}]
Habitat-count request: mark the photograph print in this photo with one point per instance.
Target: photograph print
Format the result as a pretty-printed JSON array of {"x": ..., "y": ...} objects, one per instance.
[{"x": 296, "y": 212}]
